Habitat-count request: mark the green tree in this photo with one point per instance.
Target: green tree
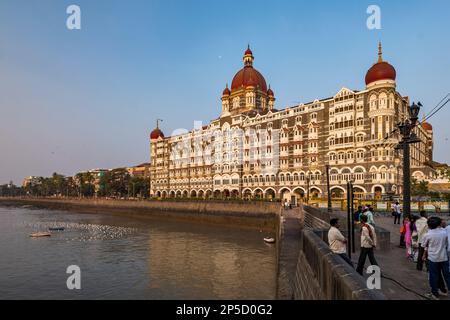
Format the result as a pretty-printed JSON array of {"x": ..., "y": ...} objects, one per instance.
[{"x": 419, "y": 188}]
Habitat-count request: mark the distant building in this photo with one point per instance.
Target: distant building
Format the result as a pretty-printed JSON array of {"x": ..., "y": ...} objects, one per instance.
[
  {"x": 141, "y": 170},
  {"x": 253, "y": 150},
  {"x": 93, "y": 176},
  {"x": 31, "y": 181}
]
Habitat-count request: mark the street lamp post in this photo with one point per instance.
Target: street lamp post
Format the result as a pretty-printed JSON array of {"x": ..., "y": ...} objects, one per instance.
[
  {"x": 307, "y": 189},
  {"x": 350, "y": 224},
  {"x": 327, "y": 168},
  {"x": 408, "y": 137}
]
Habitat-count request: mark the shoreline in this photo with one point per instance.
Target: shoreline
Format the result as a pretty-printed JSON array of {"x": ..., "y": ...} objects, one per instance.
[{"x": 262, "y": 216}]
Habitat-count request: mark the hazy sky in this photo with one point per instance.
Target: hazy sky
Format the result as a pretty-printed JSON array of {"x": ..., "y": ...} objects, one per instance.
[{"x": 76, "y": 100}]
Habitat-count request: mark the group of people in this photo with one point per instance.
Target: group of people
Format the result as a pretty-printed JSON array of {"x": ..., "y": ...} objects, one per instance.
[
  {"x": 427, "y": 242},
  {"x": 365, "y": 211},
  {"x": 287, "y": 204},
  {"x": 338, "y": 243}
]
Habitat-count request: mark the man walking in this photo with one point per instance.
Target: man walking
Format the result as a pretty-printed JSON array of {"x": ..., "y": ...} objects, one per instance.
[
  {"x": 422, "y": 229},
  {"x": 435, "y": 243},
  {"x": 369, "y": 214},
  {"x": 337, "y": 241},
  {"x": 397, "y": 212},
  {"x": 357, "y": 214},
  {"x": 368, "y": 243}
]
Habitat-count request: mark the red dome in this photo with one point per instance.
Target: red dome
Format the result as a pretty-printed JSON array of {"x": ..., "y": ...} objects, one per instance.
[
  {"x": 248, "y": 51},
  {"x": 156, "y": 134},
  {"x": 226, "y": 92},
  {"x": 427, "y": 126},
  {"x": 248, "y": 76},
  {"x": 381, "y": 71},
  {"x": 270, "y": 93}
]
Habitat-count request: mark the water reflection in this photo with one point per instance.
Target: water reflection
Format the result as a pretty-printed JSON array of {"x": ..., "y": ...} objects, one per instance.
[{"x": 130, "y": 258}]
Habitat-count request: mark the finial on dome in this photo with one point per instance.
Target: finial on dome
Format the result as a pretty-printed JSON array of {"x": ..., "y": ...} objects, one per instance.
[
  {"x": 248, "y": 57},
  {"x": 157, "y": 123},
  {"x": 380, "y": 52}
]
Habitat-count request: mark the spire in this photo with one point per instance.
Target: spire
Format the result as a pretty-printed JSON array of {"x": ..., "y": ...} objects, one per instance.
[
  {"x": 157, "y": 123},
  {"x": 248, "y": 57},
  {"x": 380, "y": 52}
]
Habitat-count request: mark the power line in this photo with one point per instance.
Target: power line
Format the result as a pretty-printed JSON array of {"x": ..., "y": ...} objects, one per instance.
[
  {"x": 437, "y": 110},
  {"x": 448, "y": 94}
]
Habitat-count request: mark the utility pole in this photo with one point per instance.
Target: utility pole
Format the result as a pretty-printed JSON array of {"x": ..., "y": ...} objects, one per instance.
[
  {"x": 327, "y": 168},
  {"x": 349, "y": 217},
  {"x": 408, "y": 137},
  {"x": 307, "y": 189}
]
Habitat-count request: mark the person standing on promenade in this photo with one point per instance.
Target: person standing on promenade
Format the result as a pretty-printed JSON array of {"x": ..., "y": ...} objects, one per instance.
[
  {"x": 397, "y": 212},
  {"x": 403, "y": 232},
  {"x": 422, "y": 229},
  {"x": 337, "y": 241},
  {"x": 368, "y": 243},
  {"x": 357, "y": 214},
  {"x": 447, "y": 230},
  {"x": 369, "y": 213},
  {"x": 436, "y": 244}
]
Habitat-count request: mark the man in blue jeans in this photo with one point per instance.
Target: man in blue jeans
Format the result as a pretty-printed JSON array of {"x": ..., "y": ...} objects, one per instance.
[{"x": 435, "y": 243}]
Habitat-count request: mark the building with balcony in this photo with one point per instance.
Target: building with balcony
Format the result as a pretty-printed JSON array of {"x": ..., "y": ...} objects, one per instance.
[{"x": 253, "y": 150}]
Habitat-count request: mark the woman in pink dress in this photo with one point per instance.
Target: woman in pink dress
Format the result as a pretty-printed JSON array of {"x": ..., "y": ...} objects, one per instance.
[{"x": 408, "y": 239}]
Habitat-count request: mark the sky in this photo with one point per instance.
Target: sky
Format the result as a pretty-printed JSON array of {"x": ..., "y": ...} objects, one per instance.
[{"x": 72, "y": 100}]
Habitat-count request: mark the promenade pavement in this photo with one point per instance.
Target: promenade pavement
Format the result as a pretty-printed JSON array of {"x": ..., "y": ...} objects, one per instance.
[{"x": 401, "y": 280}]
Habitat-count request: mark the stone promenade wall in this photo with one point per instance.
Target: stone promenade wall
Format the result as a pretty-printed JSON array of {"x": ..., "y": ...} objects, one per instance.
[
  {"x": 258, "y": 215},
  {"x": 323, "y": 275},
  {"x": 320, "y": 274}
]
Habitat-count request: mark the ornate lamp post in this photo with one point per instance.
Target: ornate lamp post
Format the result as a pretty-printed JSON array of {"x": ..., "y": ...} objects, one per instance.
[{"x": 408, "y": 137}]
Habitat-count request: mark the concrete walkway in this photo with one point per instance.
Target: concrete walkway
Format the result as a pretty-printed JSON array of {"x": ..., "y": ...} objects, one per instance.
[{"x": 395, "y": 265}]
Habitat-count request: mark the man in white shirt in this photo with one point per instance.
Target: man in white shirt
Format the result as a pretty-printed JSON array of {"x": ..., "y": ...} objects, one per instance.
[
  {"x": 397, "y": 212},
  {"x": 447, "y": 229},
  {"x": 368, "y": 243},
  {"x": 436, "y": 246},
  {"x": 422, "y": 229},
  {"x": 337, "y": 242}
]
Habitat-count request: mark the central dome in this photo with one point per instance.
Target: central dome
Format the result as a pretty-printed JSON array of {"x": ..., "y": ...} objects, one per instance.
[{"x": 248, "y": 76}]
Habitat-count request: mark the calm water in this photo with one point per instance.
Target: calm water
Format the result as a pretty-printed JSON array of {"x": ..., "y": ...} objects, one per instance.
[{"x": 130, "y": 258}]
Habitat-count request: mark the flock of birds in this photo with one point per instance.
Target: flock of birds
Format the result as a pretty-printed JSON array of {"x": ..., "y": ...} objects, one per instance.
[{"x": 84, "y": 232}]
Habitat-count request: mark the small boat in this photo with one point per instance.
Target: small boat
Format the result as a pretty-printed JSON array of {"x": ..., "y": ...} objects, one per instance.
[
  {"x": 40, "y": 234},
  {"x": 56, "y": 229},
  {"x": 269, "y": 240}
]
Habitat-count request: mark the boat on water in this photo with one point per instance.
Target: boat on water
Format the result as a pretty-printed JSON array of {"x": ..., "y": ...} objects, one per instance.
[
  {"x": 269, "y": 240},
  {"x": 40, "y": 234},
  {"x": 56, "y": 229}
]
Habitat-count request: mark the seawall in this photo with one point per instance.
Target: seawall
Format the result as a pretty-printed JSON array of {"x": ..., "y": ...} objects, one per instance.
[
  {"x": 308, "y": 270},
  {"x": 255, "y": 215}
]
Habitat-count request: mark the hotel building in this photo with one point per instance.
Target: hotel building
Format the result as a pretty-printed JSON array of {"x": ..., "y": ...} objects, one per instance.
[{"x": 253, "y": 150}]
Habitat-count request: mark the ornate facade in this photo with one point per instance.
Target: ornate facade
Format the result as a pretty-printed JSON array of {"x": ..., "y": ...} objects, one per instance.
[{"x": 256, "y": 151}]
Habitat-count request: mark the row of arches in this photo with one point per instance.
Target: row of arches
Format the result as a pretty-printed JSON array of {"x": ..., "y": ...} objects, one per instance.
[{"x": 285, "y": 194}]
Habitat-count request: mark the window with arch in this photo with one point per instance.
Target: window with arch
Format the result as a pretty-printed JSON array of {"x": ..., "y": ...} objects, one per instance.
[
  {"x": 360, "y": 154},
  {"x": 360, "y": 138},
  {"x": 360, "y": 121}
]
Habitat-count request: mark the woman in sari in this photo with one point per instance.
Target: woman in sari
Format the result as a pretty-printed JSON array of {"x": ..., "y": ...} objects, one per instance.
[{"x": 408, "y": 238}]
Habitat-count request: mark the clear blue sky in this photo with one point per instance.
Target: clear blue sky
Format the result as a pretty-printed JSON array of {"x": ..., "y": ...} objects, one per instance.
[{"x": 75, "y": 100}]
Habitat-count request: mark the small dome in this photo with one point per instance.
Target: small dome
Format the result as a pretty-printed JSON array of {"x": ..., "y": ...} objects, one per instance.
[
  {"x": 427, "y": 126},
  {"x": 157, "y": 133},
  {"x": 226, "y": 92},
  {"x": 270, "y": 92},
  {"x": 381, "y": 70},
  {"x": 248, "y": 51}
]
